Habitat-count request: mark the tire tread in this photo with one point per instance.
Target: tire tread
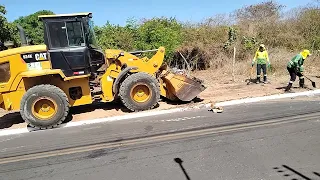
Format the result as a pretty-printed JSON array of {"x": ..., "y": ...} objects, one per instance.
[
  {"x": 52, "y": 89},
  {"x": 135, "y": 77}
]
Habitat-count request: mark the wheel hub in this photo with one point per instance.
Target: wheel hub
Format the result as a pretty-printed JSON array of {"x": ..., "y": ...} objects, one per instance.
[
  {"x": 141, "y": 93},
  {"x": 44, "y": 108}
]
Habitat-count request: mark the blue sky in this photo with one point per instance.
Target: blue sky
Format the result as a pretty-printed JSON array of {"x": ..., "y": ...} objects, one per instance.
[{"x": 118, "y": 11}]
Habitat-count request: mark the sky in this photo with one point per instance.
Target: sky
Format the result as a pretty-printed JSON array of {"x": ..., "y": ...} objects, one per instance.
[{"x": 119, "y": 11}]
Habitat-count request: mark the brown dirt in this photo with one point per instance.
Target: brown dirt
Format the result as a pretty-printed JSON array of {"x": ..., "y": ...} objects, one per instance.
[{"x": 220, "y": 87}]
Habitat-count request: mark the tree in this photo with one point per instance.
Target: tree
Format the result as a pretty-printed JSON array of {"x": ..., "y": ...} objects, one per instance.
[
  {"x": 158, "y": 32},
  {"x": 150, "y": 34},
  {"x": 115, "y": 37},
  {"x": 259, "y": 12},
  {"x": 7, "y": 29},
  {"x": 32, "y": 26},
  {"x": 308, "y": 25}
]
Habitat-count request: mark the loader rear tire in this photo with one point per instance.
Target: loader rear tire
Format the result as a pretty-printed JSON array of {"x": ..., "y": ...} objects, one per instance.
[
  {"x": 44, "y": 106},
  {"x": 139, "y": 92}
]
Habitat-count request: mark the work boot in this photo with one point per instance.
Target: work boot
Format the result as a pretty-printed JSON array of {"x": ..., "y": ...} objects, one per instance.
[
  {"x": 301, "y": 83},
  {"x": 258, "y": 80},
  {"x": 265, "y": 80},
  {"x": 288, "y": 87}
]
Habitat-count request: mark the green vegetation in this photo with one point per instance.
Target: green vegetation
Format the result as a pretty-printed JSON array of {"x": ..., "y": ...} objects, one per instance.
[
  {"x": 150, "y": 34},
  {"x": 205, "y": 44},
  {"x": 32, "y": 26},
  {"x": 7, "y": 30}
]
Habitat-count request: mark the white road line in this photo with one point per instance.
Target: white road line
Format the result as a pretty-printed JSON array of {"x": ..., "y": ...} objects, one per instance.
[
  {"x": 181, "y": 119},
  {"x": 101, "y": 120},
  {"x": 124, "y": 117},
  {"x": 272, "y": 97},
  {"x": 155, "y": 113},
  {"x": 13, "y": 131}
]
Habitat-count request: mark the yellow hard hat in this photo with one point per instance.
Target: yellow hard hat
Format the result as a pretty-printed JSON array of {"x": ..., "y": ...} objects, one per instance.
[{"x": 305, "y": 53}]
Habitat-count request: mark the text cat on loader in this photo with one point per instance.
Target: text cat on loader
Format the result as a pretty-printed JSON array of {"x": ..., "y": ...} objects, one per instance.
[{"x": 44, "y": 81}]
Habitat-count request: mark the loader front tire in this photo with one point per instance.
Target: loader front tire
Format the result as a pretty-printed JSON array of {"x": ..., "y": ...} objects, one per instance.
[
  {"x": 44, "y": 106},
  {"x": 139, "y": 92}
]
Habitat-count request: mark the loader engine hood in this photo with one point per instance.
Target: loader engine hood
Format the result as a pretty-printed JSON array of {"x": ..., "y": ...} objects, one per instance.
[{"x": 23, "y": 50}]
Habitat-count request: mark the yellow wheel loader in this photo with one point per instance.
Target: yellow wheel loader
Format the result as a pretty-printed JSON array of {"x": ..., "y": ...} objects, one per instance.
[{"x": 44, "y": 81}]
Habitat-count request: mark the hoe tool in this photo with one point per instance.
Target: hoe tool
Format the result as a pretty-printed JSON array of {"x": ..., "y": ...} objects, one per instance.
[{"x": 313, "y": 83}]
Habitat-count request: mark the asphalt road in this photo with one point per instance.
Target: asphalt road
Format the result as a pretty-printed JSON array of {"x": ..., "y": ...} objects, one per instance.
[{"x": 274, "y": 140}]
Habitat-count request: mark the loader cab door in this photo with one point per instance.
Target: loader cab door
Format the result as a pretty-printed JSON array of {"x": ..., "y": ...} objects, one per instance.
[{"x": 70, "y": 44}]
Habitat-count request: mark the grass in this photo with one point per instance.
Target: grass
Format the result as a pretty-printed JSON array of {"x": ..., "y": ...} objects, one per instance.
[{"x": 278, "y": 58}]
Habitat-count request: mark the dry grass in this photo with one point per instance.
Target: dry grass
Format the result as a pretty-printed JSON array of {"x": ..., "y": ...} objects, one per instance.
[
  {"x": 210, "y": 44},
  {"x": 278, "y": 58}
]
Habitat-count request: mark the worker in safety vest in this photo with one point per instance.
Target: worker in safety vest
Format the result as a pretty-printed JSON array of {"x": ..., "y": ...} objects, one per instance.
[
  {"x": 295, "y": 68},
  {"x": 262, "y": 59}
]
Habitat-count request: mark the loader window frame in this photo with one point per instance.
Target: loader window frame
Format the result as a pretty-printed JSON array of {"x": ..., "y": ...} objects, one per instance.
[
  {"x": 65, "y": 34},
  {"x": 90, "y": 34}
]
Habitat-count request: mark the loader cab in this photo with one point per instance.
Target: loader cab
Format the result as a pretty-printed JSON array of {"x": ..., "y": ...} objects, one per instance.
[{"x": 71, "y": 43}]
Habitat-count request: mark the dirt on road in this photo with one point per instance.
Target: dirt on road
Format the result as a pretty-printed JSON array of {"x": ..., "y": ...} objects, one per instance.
[{"x": 220, "y": 87}]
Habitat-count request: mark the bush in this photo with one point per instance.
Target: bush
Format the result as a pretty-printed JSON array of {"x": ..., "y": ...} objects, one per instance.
[
  {"x": 157, "y": 32},
  {"x": 208, "y": 43},
  {"x": 115, "y": 37}
]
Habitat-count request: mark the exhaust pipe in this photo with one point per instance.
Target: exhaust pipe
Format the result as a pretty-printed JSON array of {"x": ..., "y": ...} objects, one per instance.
[{"x": 22, "y": 36}]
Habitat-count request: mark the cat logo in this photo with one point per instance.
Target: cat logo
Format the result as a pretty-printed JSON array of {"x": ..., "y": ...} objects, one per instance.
[{"x": 40, "y": 56}]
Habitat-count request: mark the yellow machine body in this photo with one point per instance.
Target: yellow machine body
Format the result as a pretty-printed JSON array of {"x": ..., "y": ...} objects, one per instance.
[
  {"x": 17, "y": 77},
  {"x": 22, "y": 77},
  {"x": 29, "y": 66},
  {"x": 44, "y": 81},
  {"x": 135, "y": 64}
]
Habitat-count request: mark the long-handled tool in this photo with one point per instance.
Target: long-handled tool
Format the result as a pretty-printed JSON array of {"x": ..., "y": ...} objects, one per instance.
[
  {"x": 313, "y": 83},
  {"x": 251, "y": 73}
]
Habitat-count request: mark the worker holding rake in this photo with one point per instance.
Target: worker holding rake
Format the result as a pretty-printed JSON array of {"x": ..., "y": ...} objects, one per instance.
[
  {"x": 295, "y": 68},
  {"x": 262, "y": 59}
]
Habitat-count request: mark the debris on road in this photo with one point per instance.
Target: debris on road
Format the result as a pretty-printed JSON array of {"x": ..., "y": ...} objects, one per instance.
[{"x": 215, "y": 109}]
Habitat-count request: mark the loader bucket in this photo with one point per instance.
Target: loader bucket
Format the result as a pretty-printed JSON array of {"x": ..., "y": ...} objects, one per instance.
[{"x": 183, "y": 87}]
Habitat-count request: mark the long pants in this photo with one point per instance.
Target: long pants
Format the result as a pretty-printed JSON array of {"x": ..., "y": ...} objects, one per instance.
[
  {"x": 264, "y": 70},
  {"x": 293, "y": 76}
]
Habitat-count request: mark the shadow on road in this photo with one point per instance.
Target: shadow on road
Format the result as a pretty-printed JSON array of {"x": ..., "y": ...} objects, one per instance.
[
  {"x": 292, "y": 173},
  {"x": 10, "y": 119},
  {"x": 195, "y": 100},
  {"x": 316, "y": 173},
  {"x": 295, "y": 87},
  {"x": 179, "y": 161},
  {"x": 250, "y": 81},
  {"x": 93, "y": 107}
]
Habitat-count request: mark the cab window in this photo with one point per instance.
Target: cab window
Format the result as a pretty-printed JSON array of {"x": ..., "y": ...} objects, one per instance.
[
  {"x": 66, "y": 34},
  {"x": 75, "y": 34}
]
